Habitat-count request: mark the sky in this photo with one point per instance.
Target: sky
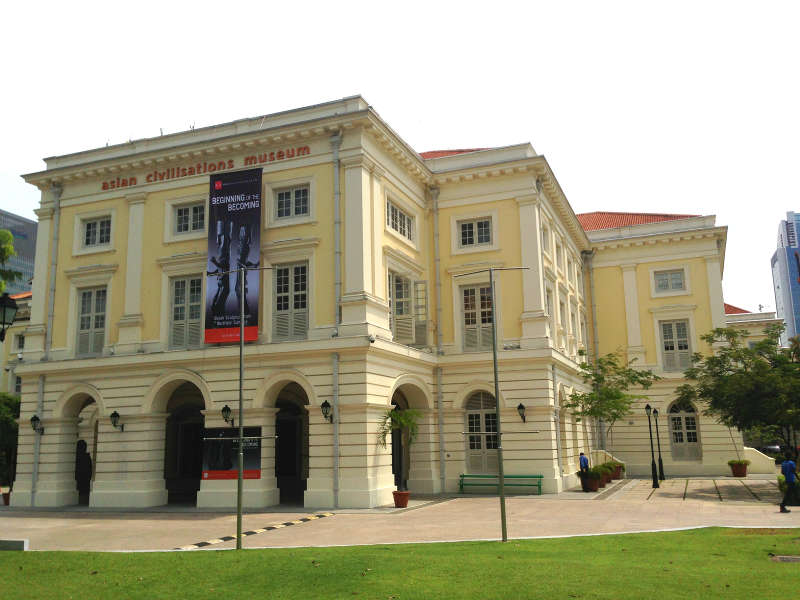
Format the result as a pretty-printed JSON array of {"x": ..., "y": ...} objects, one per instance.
[{"x": 682, "y": 107}]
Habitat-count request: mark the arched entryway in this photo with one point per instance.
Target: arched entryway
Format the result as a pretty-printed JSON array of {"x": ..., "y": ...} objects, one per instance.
[
  {"x": 291, "y": 445},
  {"x": 183, "y": 450},
  {"x": 86, "y": 449},
  {"x": 400, "y": 454},
  {"x": 481, "y": 450}
]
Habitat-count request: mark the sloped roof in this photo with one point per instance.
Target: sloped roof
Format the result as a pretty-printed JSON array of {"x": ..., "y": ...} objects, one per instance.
[
  {"x": 440, "y": 153},
  {"x": 608, "y": 220},
  {"x": 730, "y": 309},
  {"x": 22, "y": 295}
]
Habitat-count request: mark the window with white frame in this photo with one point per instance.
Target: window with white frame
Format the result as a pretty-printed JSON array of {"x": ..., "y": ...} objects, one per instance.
[
  {"x": 91, "y": 321},
  {"x": 570, "y": 273},
  {"x": 477, "y": 317},
  {"x": 482, "y": 442},
  {"x": 559, "y": 256},
  {"x": 190, "y": 218},
  {"x": 550, "y": 312},
  {"x": 97, "y": 232},
  {"x": 669, "y": 281},
  {"x": 546, "y": 240},
  {"x": 475, "y": 232},
  {"x": 20, "y": 342},
  {"x": 675, "y": 344},
  {"x": 18, "y": 385},
  {"x": 408, "y": 310},
  {"x": 400, "y": 221},
  {"x": 290, "y": 307},
  {"x": 292, "y": 202},
  {"x": 185, "y": 320}
]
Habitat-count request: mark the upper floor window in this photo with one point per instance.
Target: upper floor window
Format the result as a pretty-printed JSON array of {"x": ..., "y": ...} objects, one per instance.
[
  {"x": 290, "y": 308},
  {"x": 17, "y": 385},
  {"x": 292, "y": 202},
  {"x": 570, "y": 272},
  {"x": 398, "y": 220},
  {"x": 546, "y": 240},
  {"x": 20, "y": 342},
  {"x": 559, "y": 256},
  {"x": 475, "y": 232},
  {"x": 477, "y": 315},
  {"x": 91, "y": 322},
  {"x": 675, "y": 344},
  {"x": 190, "y": 218},
  {"x": 185, "y": 324},
  {"x": 669, "y": 281},
  {"x": 97, "y": 232},
  {"x": 408, "y": 310}
]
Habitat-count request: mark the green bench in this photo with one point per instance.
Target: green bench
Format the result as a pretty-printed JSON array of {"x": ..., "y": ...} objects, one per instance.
[{"x": 470, "y": 480}]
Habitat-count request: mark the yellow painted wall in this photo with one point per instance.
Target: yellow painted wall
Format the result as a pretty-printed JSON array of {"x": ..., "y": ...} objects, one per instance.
[{"x": 612, "y": 330}]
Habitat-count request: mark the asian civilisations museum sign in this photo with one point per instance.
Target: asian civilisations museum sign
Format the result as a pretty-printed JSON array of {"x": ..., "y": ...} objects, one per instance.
[{"x": 234, "y": 241}]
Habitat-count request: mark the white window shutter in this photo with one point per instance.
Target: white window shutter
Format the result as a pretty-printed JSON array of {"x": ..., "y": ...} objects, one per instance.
[
  {"x": 470, "y": 339},
  {"x": 420, "y": 313},
  {"x": 84, "y": 342},
  {"x": 299, "y": 324}
]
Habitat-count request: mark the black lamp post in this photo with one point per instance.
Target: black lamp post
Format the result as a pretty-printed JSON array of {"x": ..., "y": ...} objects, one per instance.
[
  {"x": 36, "y": 424},
  {"x": 114, "y": 416},
  {"x": 521, "y": 411},
  {"x": 8, "y": 310},
  {"x": 226, "y": 415},
  {"x": 325, "y": 407},
  {"x": 658, "y": 440},
  {"x": 647, "y": 409}
]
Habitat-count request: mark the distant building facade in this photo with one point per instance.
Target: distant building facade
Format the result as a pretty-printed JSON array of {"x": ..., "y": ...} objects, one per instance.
[
  {"x": 786, "y": 275},
  {"x": 24, "y": 232}
]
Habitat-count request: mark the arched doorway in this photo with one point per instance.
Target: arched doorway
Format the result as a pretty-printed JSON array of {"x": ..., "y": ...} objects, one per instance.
[
  {"x": 86, "y": 449},
  {"x": 481, "y": 451},
  {"x": 183, "y": 451},
  {"x": 684, "y": 431},
  {"x": 291, "y": 445},
  {"x": 400, "y": 455}
]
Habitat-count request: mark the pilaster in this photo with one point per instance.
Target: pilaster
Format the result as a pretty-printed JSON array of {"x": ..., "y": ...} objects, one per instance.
[
  {"x": 56, "y": 485},
  {"x": 714, "y": 271},
  {"x": 635, "y": 349},
  {"x": 36, "y": 329},
  {"x": 534, "y": 317},
  {"x": 130, "y": 325}
]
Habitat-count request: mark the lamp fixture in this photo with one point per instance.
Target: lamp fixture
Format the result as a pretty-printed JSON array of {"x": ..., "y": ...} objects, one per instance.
[
  {"x": 226, "y": 415},
  {"x": 36, "y": 424},
  {"x": 648, "y": 410},
  {"x": 114, "y": 416},
  {"x": 521, "y": 411},
  {"x": 8, "y": 310},
  {"x": 325, "y": 407}
]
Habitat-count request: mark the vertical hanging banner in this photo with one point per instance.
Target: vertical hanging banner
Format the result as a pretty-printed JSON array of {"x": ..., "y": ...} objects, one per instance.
[{"x": 234, "y": 240}]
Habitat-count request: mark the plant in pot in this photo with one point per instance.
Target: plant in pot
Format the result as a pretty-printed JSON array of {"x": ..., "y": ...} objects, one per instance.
[
  {"x": 593, "y": 478},
  {"x": 584, "y": 477},
  {"x": 738, "y": 467},
  {"x": 618, "y": 467},
  {"x": 407, "y": 423}
]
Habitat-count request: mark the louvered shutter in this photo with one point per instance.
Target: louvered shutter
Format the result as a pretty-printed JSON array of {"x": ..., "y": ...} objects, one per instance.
[
  {"x": 470, "y": 318},
  {"x": 84, "y": 342},
  {"x": 668, "y": 346},
  {"x": 290, "y": 308},
  {"x": 682, "y": 344},
  {"x": 91, "y": 322},
  {"x": 420, "y": 313}
]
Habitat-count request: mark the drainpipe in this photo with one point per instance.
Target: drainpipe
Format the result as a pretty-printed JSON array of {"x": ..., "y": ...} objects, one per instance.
[
  {"x": 37, "y": 440},
  {"x": 588, "y": 257},
  {"x": 557, "y": 419},
  {"x": 439, "y": 352},
  {"x": 336, "y": 142}
]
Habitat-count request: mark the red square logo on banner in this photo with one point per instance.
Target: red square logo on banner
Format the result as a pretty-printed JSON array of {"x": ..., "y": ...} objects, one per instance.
[{"x": 217, "y": 185}]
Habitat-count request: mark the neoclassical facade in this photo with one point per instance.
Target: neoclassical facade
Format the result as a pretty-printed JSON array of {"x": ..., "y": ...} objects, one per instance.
[{"x": 377, "y": 297}]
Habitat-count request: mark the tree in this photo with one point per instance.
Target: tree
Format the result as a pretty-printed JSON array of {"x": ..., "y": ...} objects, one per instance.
[
  {"x": 407, "y": 423},
  {"x": 6, "y": 252},
  {"x": 9, "y": 413},
  {"x": 748, "y": 387},
  {"x": 610, "y": 379}
]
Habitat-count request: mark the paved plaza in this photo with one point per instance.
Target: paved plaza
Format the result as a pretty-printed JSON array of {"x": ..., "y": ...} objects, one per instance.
[{"x": 626, "y": 506}]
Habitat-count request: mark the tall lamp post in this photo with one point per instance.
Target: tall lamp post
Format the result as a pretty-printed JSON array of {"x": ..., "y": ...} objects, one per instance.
[
  {"x": 648, "y": 409},
  {"x": 658, "y": 440}
]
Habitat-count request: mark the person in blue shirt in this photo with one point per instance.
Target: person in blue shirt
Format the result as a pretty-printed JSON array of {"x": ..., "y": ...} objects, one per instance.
[
  {"x": 584, "y": 463},
  {"x": 788, "y": 469}
]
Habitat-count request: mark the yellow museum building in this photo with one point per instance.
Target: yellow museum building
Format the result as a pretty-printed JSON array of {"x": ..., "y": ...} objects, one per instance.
[{"x": 378, "y": 296}]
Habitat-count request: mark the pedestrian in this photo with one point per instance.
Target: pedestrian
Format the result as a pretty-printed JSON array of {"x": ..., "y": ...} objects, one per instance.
[
  {"x": 83, "y": 472},
  {"x": 584, "y": 463},
  {"x": 788, "y": 469}
]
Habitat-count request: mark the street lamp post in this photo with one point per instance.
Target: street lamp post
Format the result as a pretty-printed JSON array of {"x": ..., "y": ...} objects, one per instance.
[
  {"x": 647, "y": 409},
  {"x": 658, "y": 440}
]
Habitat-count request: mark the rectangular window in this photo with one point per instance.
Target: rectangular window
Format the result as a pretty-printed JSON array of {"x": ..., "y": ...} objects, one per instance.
[
  {"x": 292, "y": 202},
  {"x": 91, "y": 322},
  {"x": 290, "y": 312},
  {"x": 545, "y": 240},
  {"x": 185, "y": 321},
  {"x": 190, "y": 218},
  {"x": 475, "y": 232},
  {"x": 477, "y": 315},
  {"x": 668, "y": 281},
  {"x": 18, "y": 385},
  {"x": 675, "y": 345},
  {"x": 20, "y": 342},
  {"x": 398, "y": 220},
  {"x": 559, "y": 257},
  {"x": 97, "y": 232},
  {"x": 408, "y": 310}
]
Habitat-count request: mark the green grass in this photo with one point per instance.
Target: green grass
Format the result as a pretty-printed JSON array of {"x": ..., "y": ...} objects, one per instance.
[{"x": 707, "y": 563}]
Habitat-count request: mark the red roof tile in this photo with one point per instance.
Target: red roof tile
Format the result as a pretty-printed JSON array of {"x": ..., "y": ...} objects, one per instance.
[
  {"x": 730, "y": 309},
  {"x": 22, "y": 295},
  {"x": 609, "y": 220},
  {"x": 441, "y": 153}
]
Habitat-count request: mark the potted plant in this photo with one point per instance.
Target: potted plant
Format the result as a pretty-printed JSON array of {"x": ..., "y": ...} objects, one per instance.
[
  {"x": 407, "y": 423},
  {"x": 618, "y": 467},
  {"x": 738, "y": 467},
  {"x": 584, "y": 477},
  {"x": 593, "y": 478}
]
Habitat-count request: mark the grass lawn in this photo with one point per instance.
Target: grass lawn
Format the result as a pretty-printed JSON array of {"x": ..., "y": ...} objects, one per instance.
[{"x": 705, "y": 563}]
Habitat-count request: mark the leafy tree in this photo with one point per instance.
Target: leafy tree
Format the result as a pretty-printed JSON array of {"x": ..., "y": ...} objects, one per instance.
[
  {"x": 6, "y": 252},
  {"x": 748, "y": 387},
  {"x": 407, "y": 423},
  {"x": 610, "y": 379},
  {"x": 9, "y": 413}
]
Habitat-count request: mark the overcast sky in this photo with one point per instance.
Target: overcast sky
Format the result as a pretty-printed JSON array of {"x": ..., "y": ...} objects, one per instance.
[{"x": 685, "y": 107}]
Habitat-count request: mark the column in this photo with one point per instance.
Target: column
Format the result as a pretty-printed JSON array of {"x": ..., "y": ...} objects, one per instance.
[
  {"x": 319, "y": 485},
  {"x": 635, "y": 349},
  {"x": 56, "y": 485},
  {"x": 714, "y": 271},
  {"x": 534, "y": 317},
  {"x": 130, "y": 325},
  {"x": 35, "y": 331},
  {"x": 423, "y": 473}
]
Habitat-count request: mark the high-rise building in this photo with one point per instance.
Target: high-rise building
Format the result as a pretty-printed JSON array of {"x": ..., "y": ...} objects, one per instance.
[
  {"x": 786, "y": 275},
  {"x": 24, "y": 232}
]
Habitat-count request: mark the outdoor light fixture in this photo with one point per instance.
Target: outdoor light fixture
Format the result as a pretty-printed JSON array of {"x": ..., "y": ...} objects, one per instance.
[
  {"x": 36, "y": 424},
  {"x": 226, "y": 415},
  {"x": 658, "y": 439},
  {"x": 325, "y": 407},
  {"x": 114, "y": 416},
  {"x": 8, "y": 310},
  {"x": 521, "y": 411},
  {"x": 648, "y": 410}
]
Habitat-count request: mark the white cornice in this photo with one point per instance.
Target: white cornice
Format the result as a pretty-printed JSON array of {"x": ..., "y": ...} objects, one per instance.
[{"x": 662, "y": 238}]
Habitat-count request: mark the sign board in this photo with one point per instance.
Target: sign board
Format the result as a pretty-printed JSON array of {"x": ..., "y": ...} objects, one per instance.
[{"x": 221, "y": 458}]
